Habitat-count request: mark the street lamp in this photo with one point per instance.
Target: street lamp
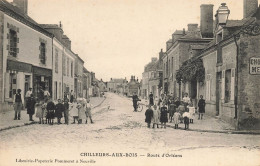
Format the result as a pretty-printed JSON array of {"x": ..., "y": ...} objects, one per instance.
[{"x": 222, "y": 14}]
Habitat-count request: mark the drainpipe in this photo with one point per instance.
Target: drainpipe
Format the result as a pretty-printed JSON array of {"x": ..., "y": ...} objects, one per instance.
[
  {"x": 236, "y": 81},
  {"x": 52, "y": 69}
]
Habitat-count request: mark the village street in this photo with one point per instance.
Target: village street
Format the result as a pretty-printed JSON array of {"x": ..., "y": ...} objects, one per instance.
[{"x": 117, "y": 129}]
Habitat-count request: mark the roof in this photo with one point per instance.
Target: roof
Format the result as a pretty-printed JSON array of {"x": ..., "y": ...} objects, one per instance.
[
  {"x": 178, "y": 32},
  {"x": 17, "y": 14},
  {"x": 197, "y": 47},
  {"x": 235, "y": 23}
]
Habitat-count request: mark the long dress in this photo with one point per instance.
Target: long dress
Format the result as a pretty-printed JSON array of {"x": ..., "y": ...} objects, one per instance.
[
  {"x": 39, "y": 111},
  {"x": 192, "y": 112},
  {"x": 163, "y": 117},
  {"x": 74, "y": 110},
  {"x": 156, "y": 116},
  {"x": 201, "y": 106},
  {"x": 148, "y": 115},
  {"x": 176, "y": 118},
  {"x": 81, "y": 109}
]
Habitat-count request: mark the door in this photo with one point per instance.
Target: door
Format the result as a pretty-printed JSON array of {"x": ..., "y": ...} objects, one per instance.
[{"x": 218, "y": 92}]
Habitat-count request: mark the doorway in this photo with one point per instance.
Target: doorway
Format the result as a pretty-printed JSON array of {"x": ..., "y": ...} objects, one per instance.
[{"x": 218, "y": 92}]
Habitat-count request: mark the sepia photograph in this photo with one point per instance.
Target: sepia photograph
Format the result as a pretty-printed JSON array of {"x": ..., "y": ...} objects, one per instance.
[{"x": 129, "y": 82}]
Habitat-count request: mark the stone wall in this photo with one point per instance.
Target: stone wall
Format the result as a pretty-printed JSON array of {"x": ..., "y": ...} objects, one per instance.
[{"x": 248, "y": 85}]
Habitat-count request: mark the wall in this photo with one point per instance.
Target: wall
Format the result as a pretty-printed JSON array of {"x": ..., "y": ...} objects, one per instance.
[
  {"x": 248, "y": 87},
  {"x": 28, "y": 44},
  {"x": 1, "y": 58},
  {"x": 209, "y": 62}
]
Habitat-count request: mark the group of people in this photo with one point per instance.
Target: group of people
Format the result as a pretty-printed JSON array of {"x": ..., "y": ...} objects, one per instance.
[
  {"x": 168, "y": 108},
  {"x": 47, "y": 110}
]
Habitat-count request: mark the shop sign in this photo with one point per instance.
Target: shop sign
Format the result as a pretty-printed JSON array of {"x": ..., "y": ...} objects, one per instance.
[
  {"x": 42, "y": 71},
  {"x": 254, "y": 66},
  {"x": 18, "y": 66}
]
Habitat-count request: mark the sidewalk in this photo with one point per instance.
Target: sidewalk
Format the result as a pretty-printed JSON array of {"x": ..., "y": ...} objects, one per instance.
[
  {"x": 209, "y": 124},
  {"x": 7, "y": 118}
]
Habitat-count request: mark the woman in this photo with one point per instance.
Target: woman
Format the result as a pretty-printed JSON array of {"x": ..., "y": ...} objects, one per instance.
[
  {"x": 201, "y": 106},
  {"x": 31, "y": 107}
]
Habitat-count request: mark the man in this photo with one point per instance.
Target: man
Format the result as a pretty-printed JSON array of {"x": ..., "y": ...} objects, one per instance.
[
  {"x": 151, "y": 99},
  {"x": 28, "y": 93},
  {"x": 71, "y": 96},
  {"x": 18, "y": 104},
  {"x": 135, "y": 100}
]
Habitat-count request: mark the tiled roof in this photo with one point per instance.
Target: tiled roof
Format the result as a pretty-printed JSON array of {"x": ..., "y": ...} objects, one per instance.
[
  {"x": 178, "y": 32},
  {"x": 17, "y": 14}
]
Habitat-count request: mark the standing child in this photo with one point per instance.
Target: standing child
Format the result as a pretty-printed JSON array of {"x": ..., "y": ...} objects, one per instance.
[
  {"x": 81, "y": 109},
  {"x": 201, "y": 106},
  {"x": 163, "y": 118},
  {"x": 59, "y": 109},
  {"x": 191, "y": 112},
  {"x": 156, "y": 115},
  {"x": 171, "y": 109},
  {"x": 181, "y": 110},
  {"x": 66, "y": 111},
  {"x": 31, "y": 107},
  {"x": 50, "y": 112},
  {"x": 88, "y": 111},
  {"x": 39, "y": 111},
  {"x": 74, "y": 111},
  {"x": 148, "y": 116},
  {"x": 176, "y": 119},
  {"x": 186, "y": 117}
]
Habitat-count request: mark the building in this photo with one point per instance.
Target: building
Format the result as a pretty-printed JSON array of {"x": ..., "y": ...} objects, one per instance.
[
  {"x": 184, "y": 45},
  {"x": 152, "y": 77},
  {"x": 63, "y": 74},
  {"x": 78, "y": 78},
  {"x": 87, "y": 87},
  {"x": 134, "y": 86},
  {"x": 118, "y": 85},
  {"x": 26, "y": 60},
  {"x": 231, "y": 62}
]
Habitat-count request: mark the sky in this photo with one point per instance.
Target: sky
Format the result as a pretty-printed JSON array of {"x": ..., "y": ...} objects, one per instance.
[{"x": 117, "y": 38}]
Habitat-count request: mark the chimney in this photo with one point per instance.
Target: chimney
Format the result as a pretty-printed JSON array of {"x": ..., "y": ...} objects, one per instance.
[
  {"x": 206, "y": 20},
  {"x": 250, "y": 7},
  {"x": 22, "y": 5},
  {"x": 183, "y": 31},
  {"x": 192, "y": 27},
  {"x": 161, "y": 55}
]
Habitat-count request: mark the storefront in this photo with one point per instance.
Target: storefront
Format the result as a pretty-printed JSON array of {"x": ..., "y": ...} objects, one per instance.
[
  {"x": 18, "y": 76},
  {"x": 42, "y": 80}
]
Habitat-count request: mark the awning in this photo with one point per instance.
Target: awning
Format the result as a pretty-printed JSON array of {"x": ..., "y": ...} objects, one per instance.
[{"x": 19, "y": 66}]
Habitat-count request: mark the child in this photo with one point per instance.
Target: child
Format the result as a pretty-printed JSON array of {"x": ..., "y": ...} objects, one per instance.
[
  {"x": 148, "y": 116},
  {"x": 50, "y": 112},
  {"x": 186, "y": 117},
  {"x": 176, "y": 119},
  {"x": 88, "y": 112},
  {"x": 171, "y": 109},
  {"x": 74, "y": 111},
  {"x": 66, "y": 111},
  {"x": 201, "y": 106},
  {"x": 181, "y": 110},
  {"x": 81, "y": 109},
  {"x": 156, "y": 115},
  {"x": 59, "y": 108},
  {"x": 191, "y": 112},
  {"x": 163, "y": 117},
  {"x": 39, "y": 111}
]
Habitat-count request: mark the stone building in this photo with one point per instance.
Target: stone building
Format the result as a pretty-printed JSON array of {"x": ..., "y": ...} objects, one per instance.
[
  {"x": 231, "y": 63},
  {"x": 133, "y": 86},
  {"x": 117, "y": 85},
  {"x": 26, "y": 60},
  {"x": 151, "y": 77},
  {"x": 63, "y": 73},
  {"x": 78, "y": 76},
  {"x": 182, "y": 46},
  {"x": 87, "y": 87}
]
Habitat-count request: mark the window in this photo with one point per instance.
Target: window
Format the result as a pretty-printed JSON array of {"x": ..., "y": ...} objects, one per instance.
[
  {"x": 71, "y": 72},
  {"x": 68, "y": 66},
  {"x": 13, "y": 43},
  {"x": 228, "y": 86},
  {"x": 43, "y": 53},
  {"x": 63, "y": 65},
  {"x": 56, "y": 61}
]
